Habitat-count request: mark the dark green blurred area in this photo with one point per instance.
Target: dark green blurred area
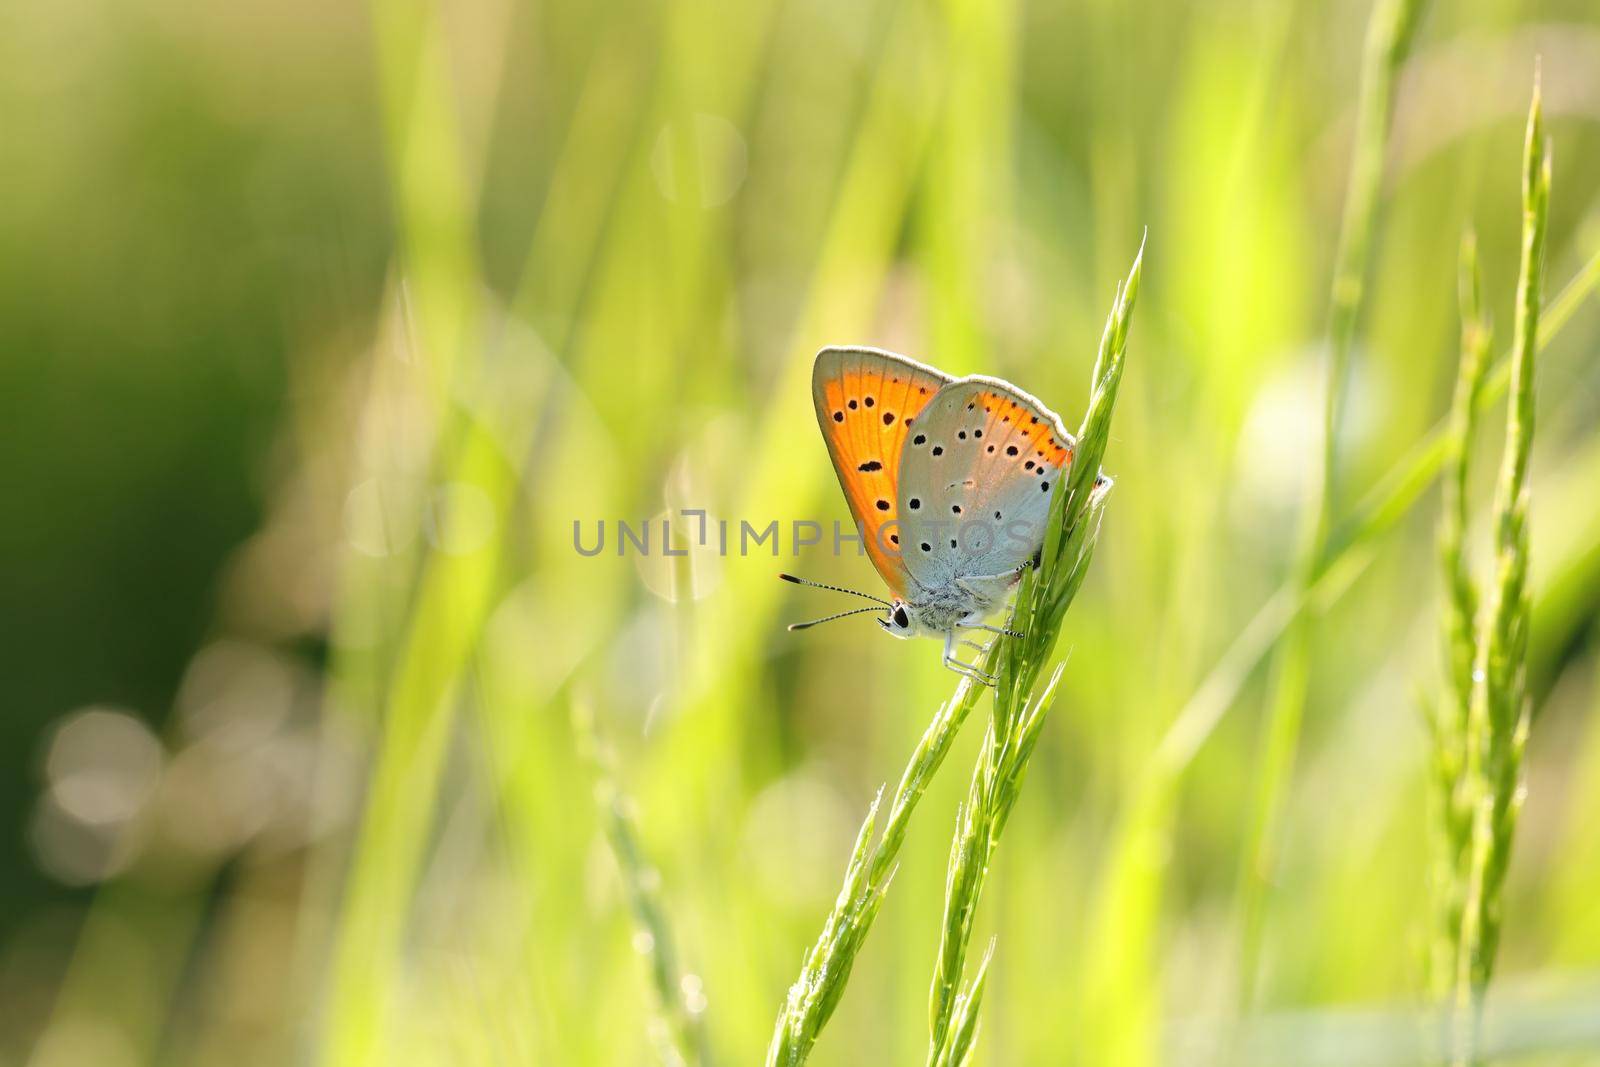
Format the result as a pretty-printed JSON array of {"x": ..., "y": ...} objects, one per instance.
[
  {"x": 320, "y": 324},
  {"x": 183, "y": 202}
]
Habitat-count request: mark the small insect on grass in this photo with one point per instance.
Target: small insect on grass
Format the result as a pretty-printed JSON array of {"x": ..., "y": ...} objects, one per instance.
[{"x": 1009, "y": 668}]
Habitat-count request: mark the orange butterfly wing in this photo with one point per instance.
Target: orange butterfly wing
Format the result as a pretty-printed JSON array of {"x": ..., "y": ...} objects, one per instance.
[
  {"x": 866, "y": 402},
  {"x": 1013, "y": 419}
]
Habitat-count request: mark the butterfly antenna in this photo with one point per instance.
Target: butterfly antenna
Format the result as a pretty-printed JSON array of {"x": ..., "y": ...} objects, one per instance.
[
  {"x": 835, "y": 588},
  {"x": 829, "y": 618}
]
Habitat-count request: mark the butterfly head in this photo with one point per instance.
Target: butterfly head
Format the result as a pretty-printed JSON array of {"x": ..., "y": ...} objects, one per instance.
[
  {"x": 897, "y": 620},
  {"x": 893, "y": 615}
]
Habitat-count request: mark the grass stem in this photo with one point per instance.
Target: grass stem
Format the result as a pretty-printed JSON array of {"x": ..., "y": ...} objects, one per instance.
[
  {"x": 1390, "y": 30},
  {"x": 1448, "y": 716},
  {"x": 1497, "y": 719},
  {"x": 678, "y": 1028},
  {"x": 826, "y": 969},
  {"x": 1021, "y": 701},
  {"x": 1042, "y": 600}
]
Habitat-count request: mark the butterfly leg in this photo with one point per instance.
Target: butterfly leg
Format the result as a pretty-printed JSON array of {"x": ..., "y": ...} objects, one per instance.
[
  {"x": 991, "y": 629},
  {"x": 983, "y": 650},
  {"x": 967, "y": 669}
]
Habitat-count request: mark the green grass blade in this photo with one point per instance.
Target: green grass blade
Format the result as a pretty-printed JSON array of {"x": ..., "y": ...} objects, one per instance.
[
  {"x": 1020, "y": 703},
  {"x": 1390, "y": 30},
  {"x": 1448, "y": 714},
  {"x": 1498, "y": 717}
]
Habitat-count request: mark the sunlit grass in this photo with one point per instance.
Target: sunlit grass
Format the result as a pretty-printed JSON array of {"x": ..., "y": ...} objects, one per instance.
[
  {"x": 1391, "y": 28},
  {"x": 1019, "y": 707},
  {"x": 1021, "y": 700},
  {"x": 1495, "y": 731},
  {"x": 580, "y": 257},
  {"x": 826, "y": 970},
  {"x": 1448, "y": 713},
  {"x": 678, "y": 1030}
]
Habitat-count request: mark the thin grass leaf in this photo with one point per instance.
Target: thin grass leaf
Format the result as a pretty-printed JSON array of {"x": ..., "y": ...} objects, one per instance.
[
  {"x": 825, "y": 972},
  {"x": 1448, "y": 715},
  {"x": 1390, "y": 30},
  {"x": 678, "y": 1028},
  {"x": 1020, "y": 702},
  {"x": 1376, "y": 514},
  {"x": 826, "y": 969},
  {"x": 1497, "y": 725},
  {"x": 964, "y": 1025}
]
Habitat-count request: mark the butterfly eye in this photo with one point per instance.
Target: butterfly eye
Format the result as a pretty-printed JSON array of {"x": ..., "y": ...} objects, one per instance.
[{"x": 901, "y": 619}]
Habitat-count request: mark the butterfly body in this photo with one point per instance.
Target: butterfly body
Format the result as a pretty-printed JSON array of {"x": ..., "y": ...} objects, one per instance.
[
  {"x": 949, "y": 480},
  {"x": 959, "y": 603}
]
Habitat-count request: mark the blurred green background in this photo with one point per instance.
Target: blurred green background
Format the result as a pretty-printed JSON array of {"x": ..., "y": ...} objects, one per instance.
[{"x": 323, "y": 323}]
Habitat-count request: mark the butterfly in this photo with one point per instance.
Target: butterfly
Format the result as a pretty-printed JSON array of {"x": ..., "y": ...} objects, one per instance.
[{"x": 949, "y": 481}]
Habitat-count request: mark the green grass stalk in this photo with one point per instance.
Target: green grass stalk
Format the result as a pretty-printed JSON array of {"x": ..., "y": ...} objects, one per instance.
[
  {"x": 1448, "y": 716},
  {"x": 1128, "y": 896},
  {"x": 1497, "y": 726},
  {"x": 1379, "y": 511},
  {"x": 678, "y": 1029},
  {"x": 452, "y": 593},
  {"x": 826, "y": 969},
  {"x": 1390, "y": 30},
  {"x": 1021, "y": 701},
  {"x": 963, "y": 1024}
]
